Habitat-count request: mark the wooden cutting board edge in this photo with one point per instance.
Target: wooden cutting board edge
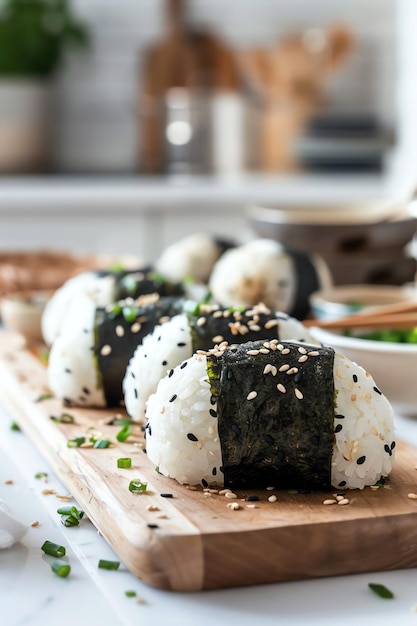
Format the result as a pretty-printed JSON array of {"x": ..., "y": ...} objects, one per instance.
[{"x": 182, "y": 552}]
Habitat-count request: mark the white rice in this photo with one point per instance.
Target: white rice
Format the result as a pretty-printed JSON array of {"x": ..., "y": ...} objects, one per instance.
[
  {"x": 167, "y": 346},
  {"x": 191, "y": 257},
  {"x": 72, "y": 374},
  {"x": 101, "y": 288},
  {"x": 363, "y": 450}
]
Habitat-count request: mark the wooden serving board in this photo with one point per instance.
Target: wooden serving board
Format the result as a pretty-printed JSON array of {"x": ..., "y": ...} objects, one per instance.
[{"x": 194, "y": 541}]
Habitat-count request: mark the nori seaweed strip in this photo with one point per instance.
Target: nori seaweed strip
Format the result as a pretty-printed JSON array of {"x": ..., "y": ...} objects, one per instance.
[
  {"x": 307, "y": 282},
  {"x": 228, "y": 327},
  {"x": 145, "y": 281},
  {"x": 113, "y": 328},
  {"x": 275, "y": 438}
]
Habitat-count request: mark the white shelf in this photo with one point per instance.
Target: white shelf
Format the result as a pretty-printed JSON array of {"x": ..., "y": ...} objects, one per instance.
[{"x": 135, "y": 193}]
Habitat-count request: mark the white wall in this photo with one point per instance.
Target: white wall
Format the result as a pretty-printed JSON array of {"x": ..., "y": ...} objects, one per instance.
[{"x": 96, "y": 95}]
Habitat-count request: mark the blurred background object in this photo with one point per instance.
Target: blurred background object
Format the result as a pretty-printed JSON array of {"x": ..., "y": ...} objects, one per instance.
[{"x": 34, "y": 37}]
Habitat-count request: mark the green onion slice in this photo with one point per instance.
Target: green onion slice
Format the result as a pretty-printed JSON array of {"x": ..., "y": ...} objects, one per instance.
[
  {"x": 130, "y": 594},
  {"x": 103, "y": 564},
  {"x": 124, "y": 463},
  {"x": 137, "y": 485},
  {"x": 75, "y": 443},
  {"x": 101, "y": 443},
  {"x": 381, "y": 590},
  {"x": 44, "y": 396},
  {"x": 53, "y": 549},
  {"x": 64, "y": 418},
  {"x": 71, "y": 510},
  {"x": 61, "y": 568},
  {"x": 14, "y": 426},
  {"x": 124, "y": 433}
]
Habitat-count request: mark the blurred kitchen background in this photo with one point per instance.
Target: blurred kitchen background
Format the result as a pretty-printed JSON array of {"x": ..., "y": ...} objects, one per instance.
[{"x": 133, "y": 123}]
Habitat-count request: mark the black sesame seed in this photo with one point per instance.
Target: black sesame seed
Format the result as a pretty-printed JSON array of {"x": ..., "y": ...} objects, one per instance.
[
  {"x": 387, "y": 449},
  {"x": 192, "y": 437},
  {"x": 269, "y": 439},
  {"x": 213, "y": 413},
  {"x": 204, "y": 482},
  {"x": 164, "y": 363},
  {"x": 135, "y": 393},
  {"x": 355, "y": 378},
  {"x": 252, "y": 498},
  {"x": 378, "y": 391},
  {"x": 229, "y": 375},
  {"x": 393, "y": 445},
  {"x": 82, "y": 399},
  {"x": 150, "y": 431},
  {"x": 214, "y": 471},
  {"x": 339, "y": 417},
  {"x": 152, "y": 526},
  {"x": 67, "y": 370},
  {"x": 342, "y": 483},
  {"x": 132, "y": 374},
  {"x": 159, "y": 338},
  {"x": 170, "y": 373},
  {"x": 181, "y": 344},
  {"x": 86, "y": 390},
  {"x": 183, "y": 365},
  {"x": 235, "y": 428},
  {"x": 166, "y": 495},
  {"x": 280, "y": 455},
  {"x": 298, "y": 376},
  {"x": 338, "y": 428},
  {"x": 213, "y": 399},
  {"x": 361, "y": 460},
  {"x": 172, "y": 398}
]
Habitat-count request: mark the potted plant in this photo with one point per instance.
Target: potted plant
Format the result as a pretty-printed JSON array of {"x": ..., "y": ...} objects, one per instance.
[{"x": 35, "y": 35}]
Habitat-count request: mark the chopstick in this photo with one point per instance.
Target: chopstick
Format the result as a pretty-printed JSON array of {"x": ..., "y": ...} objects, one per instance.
[{"x": 392, "y": 316}]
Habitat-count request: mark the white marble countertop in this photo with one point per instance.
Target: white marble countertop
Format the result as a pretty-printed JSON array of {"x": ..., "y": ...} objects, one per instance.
[{"x": 31, "y": 594}]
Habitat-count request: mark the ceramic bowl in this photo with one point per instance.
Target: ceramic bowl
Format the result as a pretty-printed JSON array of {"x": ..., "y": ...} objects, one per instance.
[
  {"x": 22, "y": 312},
  {"x": 343, "y": 300},
  {"x": 393, "y": 366}
]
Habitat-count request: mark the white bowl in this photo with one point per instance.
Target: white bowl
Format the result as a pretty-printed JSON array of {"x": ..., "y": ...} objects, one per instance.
[
  {"x": 22, "y": 312},
  {"x": 393, "y": 366}
]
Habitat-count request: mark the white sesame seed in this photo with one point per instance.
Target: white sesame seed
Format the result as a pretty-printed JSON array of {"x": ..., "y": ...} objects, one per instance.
[
  {"x": 270, "y": 488},
  {"x": 120, "y": 331},
  {"x": 343, "y": 501},
  {"x": 233, "y": 505},
  {"x": 254, "y": 327},
  {"x": 218, "y": 314},
  {"x": 272, "y": 498},
  {"x": 313, "y": 353},
  {"x": 298, "y": 394},
  {"x": 264, "y": 350},
  {"x": 292, "y": 370},
  {"x": 284, "y": 367},
  {"x": 105, "y": 350},
  {"x": 330, "y": 501},
  {"x": 201, "y": 321},
  {"x": 251, "y": 395},
  {"x": 34, "y": 523},
  {"x": 223, "y": 492},
  {"x": 152, "y": 507},
  {"x": 217, "y": 339},
  {"x": 243, "y": 330},
  {"x": 285, "y": 351},
  {"x": 229, "y": 494},
  {"x": 303, "y": 358},
  {"x": 251, "y": 506},
  {"x": 412, "y": 496},
  {"x": 302, "y": 350},
  {"x": 338, "y": 498},
  {"x": 281, "y": 388},
  {"x": 270, "y": 324},
  {"x": 252, "y": 352},
  {"x": 135, "y": 328}
]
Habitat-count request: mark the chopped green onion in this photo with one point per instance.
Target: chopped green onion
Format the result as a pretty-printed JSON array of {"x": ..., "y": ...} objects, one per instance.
[
  {"x": 69, "y": 520},
  {"x": 75, "y": 443},
  {"x": 129, "y": 313},
  {"x": 381, "y": 591},
  {"x": 124, "y": 433},
  {"x": 61, "y": 568},
  {"x": 137, "y": 485},
  {"x": 53, "y": 549},
  {"x": 130, "y": 594},
  {"x": 41, "y": 475},
  {"x": 44, "y": 356},
  {"x": 122, "y": 421},
  {"x": 124, "y": 463},
  {"x": 101, "y": 443},
  {"x": 64, "y": 418},
  {"x": 71, "y": 510},
  {"x": 103, "y": 564},
  {"x": 44, "y": 396},
  {"x": 14, "y": 426}
]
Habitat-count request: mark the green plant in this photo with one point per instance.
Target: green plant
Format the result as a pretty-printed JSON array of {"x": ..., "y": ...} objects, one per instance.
[{"x": 35, "y": 34}]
